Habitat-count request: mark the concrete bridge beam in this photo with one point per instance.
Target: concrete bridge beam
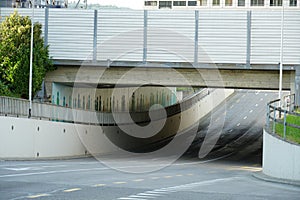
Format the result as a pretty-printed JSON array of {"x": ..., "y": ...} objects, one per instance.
[{"x": 219, "y": 78}]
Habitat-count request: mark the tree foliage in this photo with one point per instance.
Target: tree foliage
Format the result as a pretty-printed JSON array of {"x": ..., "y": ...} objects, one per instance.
[{"x": 15, "y": 34}]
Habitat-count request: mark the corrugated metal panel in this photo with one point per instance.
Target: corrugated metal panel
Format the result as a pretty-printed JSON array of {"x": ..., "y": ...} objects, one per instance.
[
  {"x": 222, "y": 36},
  {"x": 265, "y": 46},
  {"x": 291, "y": 42},
  {"x": 171, "y": 36},
  {"x": 120, "y": 35},
  {"x": 39, "y": 14},
  {"x": 71, "y": 34}
]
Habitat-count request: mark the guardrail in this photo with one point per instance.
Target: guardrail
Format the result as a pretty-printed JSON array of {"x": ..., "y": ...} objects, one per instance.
[
  {"x": 20, "y": 108},
  {"x": 277, "y": 114},
  {"x": 45, "y": 111}
]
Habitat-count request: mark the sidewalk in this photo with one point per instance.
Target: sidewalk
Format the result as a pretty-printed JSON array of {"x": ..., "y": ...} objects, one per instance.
[{"x": 260, "y": 175}]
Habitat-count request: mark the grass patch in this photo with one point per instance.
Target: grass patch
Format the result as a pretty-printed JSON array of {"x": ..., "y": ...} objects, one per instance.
[{"x": 292, "y": 134}]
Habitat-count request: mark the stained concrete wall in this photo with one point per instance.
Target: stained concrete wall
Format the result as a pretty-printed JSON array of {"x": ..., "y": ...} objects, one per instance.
[
  {"x": 281, "y": 159},
  {"x": 116, "y": 99},
  {"x": 22, "y": 138}
]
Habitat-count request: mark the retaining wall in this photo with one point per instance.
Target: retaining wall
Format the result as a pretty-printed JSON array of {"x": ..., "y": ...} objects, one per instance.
[
  {"x": 281, "y": 159},
  {"x": 22, "y": 138}
]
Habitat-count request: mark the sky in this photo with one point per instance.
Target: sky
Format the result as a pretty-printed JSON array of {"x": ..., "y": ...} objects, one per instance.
[{"x": 134, "y": 4}]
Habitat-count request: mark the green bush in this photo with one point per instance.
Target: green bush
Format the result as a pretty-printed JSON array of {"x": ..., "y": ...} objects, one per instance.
[{"x": 15, "y": 34}]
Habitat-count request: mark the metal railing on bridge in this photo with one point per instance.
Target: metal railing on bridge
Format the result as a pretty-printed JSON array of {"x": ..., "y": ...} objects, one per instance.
[
  {"x": 44, "y": 111},
  {"x": 239, "y": 38},
  {"x": 283, "y": 119}
]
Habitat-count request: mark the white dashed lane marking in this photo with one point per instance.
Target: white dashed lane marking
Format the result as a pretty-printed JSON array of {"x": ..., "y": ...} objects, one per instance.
[
  {"x": 159, "y": 193},
  {"x": 245, "y": 117},
  {"x": 72, "y": 190},
  {"x": 37, "y": 196}
]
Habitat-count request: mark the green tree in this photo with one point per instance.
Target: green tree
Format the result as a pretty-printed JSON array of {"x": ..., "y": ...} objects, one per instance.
[{"x": 15, "y": 32}]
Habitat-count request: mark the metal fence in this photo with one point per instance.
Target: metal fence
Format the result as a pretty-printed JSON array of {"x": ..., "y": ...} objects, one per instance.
[
  {"x": 45, "y": 111},
  {"x": 277, "y": 114},
  {"x": 202, "y": 36}
]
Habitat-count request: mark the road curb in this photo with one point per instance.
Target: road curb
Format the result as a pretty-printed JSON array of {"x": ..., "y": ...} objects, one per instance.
[{"x": 264, "y": 177}]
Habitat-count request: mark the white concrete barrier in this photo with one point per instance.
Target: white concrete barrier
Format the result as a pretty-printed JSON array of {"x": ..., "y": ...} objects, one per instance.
[
  {"x": 281, "y": 159},
  {"x": 29, "y": 138},
  {"x": 22, "y": 138}
]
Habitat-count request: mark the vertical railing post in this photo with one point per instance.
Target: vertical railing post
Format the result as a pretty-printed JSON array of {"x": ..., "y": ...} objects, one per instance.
[
  {"x": 196, "y": 47},
  {"x": 145, "y": 33},
  {"x": 274, "y": 118},
  {"x": 46, "y": 30},
  {"x": 268, "y": 117},
  {"x": 284, "y": 125},
  {"x": 248, "y": 56},
  {"x": 95, "y": 36}
]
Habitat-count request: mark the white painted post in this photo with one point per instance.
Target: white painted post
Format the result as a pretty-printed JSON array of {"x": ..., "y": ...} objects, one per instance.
[{"x": 31, "y": 58}]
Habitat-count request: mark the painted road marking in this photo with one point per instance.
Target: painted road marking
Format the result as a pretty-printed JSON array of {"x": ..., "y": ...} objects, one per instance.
[
  {"x": 152, "y": 194},
  {"x": 99, "y": 185},
  {"x": 245, "y": 117},
  {"x": 238, "y": 124},
  {"x": 251, "y": 111},
  {"x": 72, "y": 190},
  {"x": 256, "y": 105},
  {"x": 138, "y": 180},
  {"x": 52, "y": 172},
  {"x": 231, "y": 106},
  {"x": 37, "y": 196},
  {"x": 154, "y": 178},
  {"x": 179, "y": 175},
  {"x": 118, "y": 183},
  {"x": 168, "y": 177}
]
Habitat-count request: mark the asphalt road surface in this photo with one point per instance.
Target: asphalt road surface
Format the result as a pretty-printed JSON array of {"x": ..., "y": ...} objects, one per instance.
[{"x": 226, "y": 173}]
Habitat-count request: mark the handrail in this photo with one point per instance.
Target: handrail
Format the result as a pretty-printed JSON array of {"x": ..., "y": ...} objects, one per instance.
[
  {"x": 278, "y": 114},
  {"x": 45, "y": 111}
]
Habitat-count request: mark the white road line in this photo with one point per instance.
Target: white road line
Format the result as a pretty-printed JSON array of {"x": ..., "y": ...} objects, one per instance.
[
  {"x": 245, "y": 117},
  {"x": 51, "y": 172},
  {"x": 72, "y": 190},
  {"x": 256, "y": 105},
  {"x": 141, "y": 197},
  {"x": 238, "y": 124},
  {"x": 177, "y": 188},
  {"x": 37, "y": 196},
  {"x": 251, "y": 111}
]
